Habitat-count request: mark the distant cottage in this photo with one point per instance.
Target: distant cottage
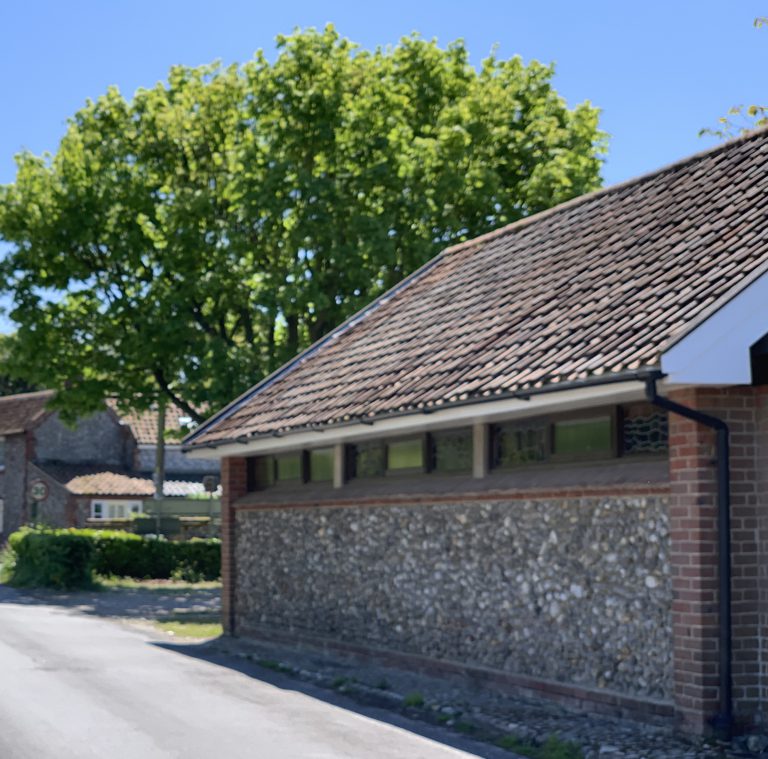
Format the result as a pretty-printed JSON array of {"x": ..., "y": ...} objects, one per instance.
[
  {"x": 99, "y": 469},
  {"x": 516, "y": 463}
]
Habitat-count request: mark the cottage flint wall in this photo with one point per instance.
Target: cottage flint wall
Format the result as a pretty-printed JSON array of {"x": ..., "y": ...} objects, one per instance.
[
  {"x": 12, "y": 484},
  {"x": 96, "y": 438},
  {"x": 574, "y": 589}
]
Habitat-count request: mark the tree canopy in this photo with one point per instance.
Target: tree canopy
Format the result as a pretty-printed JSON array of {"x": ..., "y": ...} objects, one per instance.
[
  {"x": 187, "y": 241},
  {"x": 10, "y": 384}
]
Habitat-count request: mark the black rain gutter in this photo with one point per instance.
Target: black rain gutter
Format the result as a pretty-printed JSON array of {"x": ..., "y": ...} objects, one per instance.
[
  {"x": 520, "y": 395},
  {"x": 723, "y": 720}
]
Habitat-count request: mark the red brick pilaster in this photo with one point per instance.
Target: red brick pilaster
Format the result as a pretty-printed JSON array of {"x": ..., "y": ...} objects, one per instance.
[
  {"x": 234, "y": 486},
  {"x": 694, "y": 555}
]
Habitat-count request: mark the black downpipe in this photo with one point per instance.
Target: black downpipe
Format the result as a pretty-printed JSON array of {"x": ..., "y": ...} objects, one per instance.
[{"x": 723, "y": 721}]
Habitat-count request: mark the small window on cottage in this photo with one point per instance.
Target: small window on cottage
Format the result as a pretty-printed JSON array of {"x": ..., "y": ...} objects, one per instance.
[
  {"x": 321, "y": 464},
  {"x": 97, "y": 510},
  {"x": 367, "y": 459},
  {"x": 583, "y": 437},
  {"x": 519, "y": 443},
  {"x": 288, "y": 467},
  {"x": 452, "y": 451},
  {"x": 405, "y": 455}
]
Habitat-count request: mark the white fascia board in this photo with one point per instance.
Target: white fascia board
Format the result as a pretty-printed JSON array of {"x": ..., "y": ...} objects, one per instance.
[
  {"x": 456, "y": 416},
  {"x": 716, "y": 352}
]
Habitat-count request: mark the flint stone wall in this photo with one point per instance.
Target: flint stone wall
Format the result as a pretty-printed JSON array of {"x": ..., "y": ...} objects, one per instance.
[{"x": 574, "y": 590}]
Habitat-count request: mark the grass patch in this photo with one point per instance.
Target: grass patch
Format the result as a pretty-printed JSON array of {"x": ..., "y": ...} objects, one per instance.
[
  {"x": 128, "y": 583},
  {"x": 552, "y": 748},
  {"x": 414, "y": 699},
  {"x": 190, "y": 627}
]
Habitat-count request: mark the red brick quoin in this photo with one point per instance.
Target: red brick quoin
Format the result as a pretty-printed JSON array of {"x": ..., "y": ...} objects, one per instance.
[
  {"x": 234, "y": 486},
  {"x": 693, "y": 554}
]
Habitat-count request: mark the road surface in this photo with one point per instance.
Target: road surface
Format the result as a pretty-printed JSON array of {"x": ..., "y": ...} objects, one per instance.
[{"x": 78, "y": 686}]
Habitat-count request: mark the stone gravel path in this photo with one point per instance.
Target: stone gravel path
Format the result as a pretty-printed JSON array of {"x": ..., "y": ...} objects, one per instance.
[{"x": 478, "y": 712}]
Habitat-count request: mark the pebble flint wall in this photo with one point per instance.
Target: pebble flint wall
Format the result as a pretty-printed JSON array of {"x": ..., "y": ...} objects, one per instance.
[{"x": 575, "y": 590}]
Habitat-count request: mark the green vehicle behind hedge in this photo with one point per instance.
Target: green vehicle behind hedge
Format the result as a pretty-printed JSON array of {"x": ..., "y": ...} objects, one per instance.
[{"x": 68, "y": 558}]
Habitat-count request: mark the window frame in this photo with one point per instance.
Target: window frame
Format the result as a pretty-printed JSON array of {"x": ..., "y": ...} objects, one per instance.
[
  {"x": 407, "y": 471},
  {"x": 599, "y": 412},
  {"x": 431, "y": 459},
  {"x": 308, "y": 478},
  {"x": 300, "y": 480},
  {"x": 134, "y": 506},
  {"x": 493, "y": 443},
  {"x": 621, "y": 417}
]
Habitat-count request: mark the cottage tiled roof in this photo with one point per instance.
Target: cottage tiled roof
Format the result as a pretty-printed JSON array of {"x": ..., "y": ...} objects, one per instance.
[
  {"x": 19, "y": 412},
  {"x": 596, "y": 286},
  {"x": 102, "y": 481},
  {"x": 143, "y": 424}
]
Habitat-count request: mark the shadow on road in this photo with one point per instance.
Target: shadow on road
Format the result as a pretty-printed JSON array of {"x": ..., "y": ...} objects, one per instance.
[
  {"x": 210, "y": 652},
  {"x": 135, "y": 603},
  {"x": 204, "y": 604}
]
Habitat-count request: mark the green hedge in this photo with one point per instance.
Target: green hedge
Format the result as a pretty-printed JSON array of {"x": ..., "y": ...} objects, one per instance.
[
  {"x": 67, "y": 558},
  {"x": 51, "y": 558}
]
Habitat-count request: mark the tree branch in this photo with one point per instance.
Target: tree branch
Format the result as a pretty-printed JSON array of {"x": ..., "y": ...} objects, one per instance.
[{"x": 180, "y": 402}]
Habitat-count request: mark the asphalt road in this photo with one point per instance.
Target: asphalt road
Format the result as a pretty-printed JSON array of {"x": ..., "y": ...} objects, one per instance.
[{"x": 78, "y": 686}]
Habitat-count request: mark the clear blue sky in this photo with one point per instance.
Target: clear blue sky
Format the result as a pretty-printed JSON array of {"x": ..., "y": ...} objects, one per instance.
[{"x": 659, "y": 70}]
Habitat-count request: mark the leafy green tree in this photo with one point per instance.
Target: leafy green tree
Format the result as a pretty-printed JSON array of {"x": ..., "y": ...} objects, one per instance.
[
  {"x": 9, "y": 383},
  {"x": 186, "y": 242}
]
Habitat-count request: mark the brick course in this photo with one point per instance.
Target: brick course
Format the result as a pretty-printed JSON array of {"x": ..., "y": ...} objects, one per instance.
[
  {"x": 694, "y": 555},
  {"x": 234, "y": 486}
]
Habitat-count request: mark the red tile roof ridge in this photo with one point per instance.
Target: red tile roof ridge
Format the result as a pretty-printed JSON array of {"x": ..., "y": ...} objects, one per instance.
[{"x": 566, "y": 205}]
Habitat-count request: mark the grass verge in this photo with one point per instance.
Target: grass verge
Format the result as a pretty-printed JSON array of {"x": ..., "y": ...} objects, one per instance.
[
  {"x": 190, "y": 627},
  {"x": 128, "y": 583}
]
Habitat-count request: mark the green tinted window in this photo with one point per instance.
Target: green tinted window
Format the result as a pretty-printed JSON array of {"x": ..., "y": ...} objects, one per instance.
[
  {"x": 405, "y": 454},
  {"x": 288, "y": 467},
  {"x": 370, "y": 459},
  {"x": 577, "y": 437},
  {"x": 516, "y": 444},
  {"x": 321, "y": 465},
  {"x": 453, "y": 451}
]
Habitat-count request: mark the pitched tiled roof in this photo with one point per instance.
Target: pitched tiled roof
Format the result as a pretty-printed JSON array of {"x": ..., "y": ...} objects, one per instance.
[
  {"x": 595, "y": 286},
  {"x": 19, "y": 412},
  {"x": 101, "y": 481},
  {"x": 143, "y": 424}
]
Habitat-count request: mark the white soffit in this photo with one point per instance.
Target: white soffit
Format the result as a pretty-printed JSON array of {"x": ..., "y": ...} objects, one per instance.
[
  {"x": 450, "y": 416},
  {"x": 716, "y": 352}
]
